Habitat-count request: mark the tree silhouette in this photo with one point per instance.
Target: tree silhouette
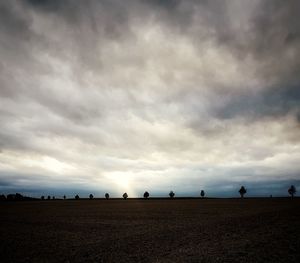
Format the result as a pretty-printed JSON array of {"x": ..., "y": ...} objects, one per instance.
[
  {"x": 19, "y": 196},
  {"x": 107, "y": 196},
  {"x": 2, "y": 197},
  {"x": 43, "y": 197},
  {"x": 125, "y": 195},
  {"x": 65, "y": 197},
  {"x": 242, "y": 191},
  {"x": 10, "y": 197},
  {"x": 91, "y": 196},
  {"x": 202, "y": 193},
  {"x": 77, "y": 197},
  {"x": 48, "y": 197},
  {"x": 292, "y": 191},
  {"x": 171, "y": 194},
  {"x": 146, "y": 195},
  {"x": 53, "y": 197}
]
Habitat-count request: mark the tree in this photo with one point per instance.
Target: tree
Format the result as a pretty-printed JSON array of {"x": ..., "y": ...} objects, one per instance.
[
  {"x": 2, "y": 197},
  {"x": 107, "y": 196},
  {"x": 43, "y": 197},
  {"x": 125, "y": 195},
  {"x": 53, "y": 197},
  {"x": 65, "y": 197},
  {"x": 77, "y": 197},
  {"x": 242, "y": 191},
  {"x": 202, "y": 193},
  {"x": 171, "y": 194},
  {"x": 11, "y": 197},
  {"x": 146, "y": 195},
  {"x": 91, "y": 196},
  {"x": 292, "y": 191},
  {"x": 48, "y": 197},
  {"x": 19, "y": 196}
]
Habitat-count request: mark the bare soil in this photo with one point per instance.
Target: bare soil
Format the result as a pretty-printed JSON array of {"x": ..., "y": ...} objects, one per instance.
[{"x": 190, "y": 230}]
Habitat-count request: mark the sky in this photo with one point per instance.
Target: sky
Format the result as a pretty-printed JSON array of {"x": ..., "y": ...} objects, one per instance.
[{"x": 126, "y": 96}]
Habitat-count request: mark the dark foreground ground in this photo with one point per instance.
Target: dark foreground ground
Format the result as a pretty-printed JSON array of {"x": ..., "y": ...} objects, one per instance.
[{"x": 209, "y": 230}]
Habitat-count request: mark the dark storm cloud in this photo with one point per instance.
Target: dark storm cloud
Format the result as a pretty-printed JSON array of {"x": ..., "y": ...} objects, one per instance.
[
  {"x": 97, "y": 90},
  {"x": 272, "y": 102},
  {"x": 266, "y": 36},
  {"x": 101, "y": 17}
]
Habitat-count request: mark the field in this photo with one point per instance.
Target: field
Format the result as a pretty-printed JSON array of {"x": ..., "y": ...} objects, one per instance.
[{"x": 179, "y": 230}]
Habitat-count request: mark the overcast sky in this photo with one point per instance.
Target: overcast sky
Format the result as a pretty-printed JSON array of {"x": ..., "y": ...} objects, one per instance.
[{"x": 160, "y": 95}]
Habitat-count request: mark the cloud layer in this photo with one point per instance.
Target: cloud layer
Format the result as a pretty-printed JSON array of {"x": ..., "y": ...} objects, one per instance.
[{"x": 158, "y": 95}]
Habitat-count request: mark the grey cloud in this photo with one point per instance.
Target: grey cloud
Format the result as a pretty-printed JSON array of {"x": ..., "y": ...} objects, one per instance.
[
  {"x": 140, "y": 86},
  {"x": 272, "y": 102}
]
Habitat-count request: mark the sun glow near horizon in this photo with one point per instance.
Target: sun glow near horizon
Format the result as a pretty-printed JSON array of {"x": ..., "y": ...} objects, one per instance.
[{"x": 122, "y": 182}]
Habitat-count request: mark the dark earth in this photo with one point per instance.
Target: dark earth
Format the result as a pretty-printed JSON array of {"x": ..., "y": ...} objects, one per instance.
[{"x": 163, "y": 230}]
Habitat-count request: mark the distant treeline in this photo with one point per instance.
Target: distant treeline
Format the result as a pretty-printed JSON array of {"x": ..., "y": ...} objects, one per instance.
[{"x": 18, "y": 197}]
